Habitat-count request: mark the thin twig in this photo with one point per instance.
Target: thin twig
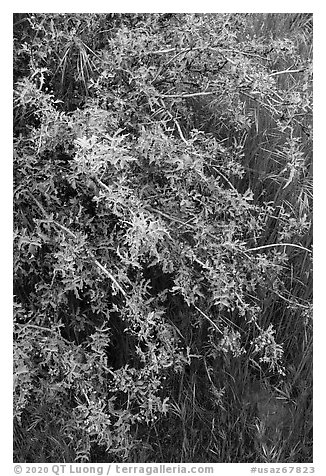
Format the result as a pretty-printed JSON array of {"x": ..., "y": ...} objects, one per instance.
[
  {"x": 287, "y": 71},
  {"x": 65, "y": 229},
  {"x": 176, "y": 123},
  {"x": 188, "y": 95},
  {"x": 169, "y": 217},
  {"x": 105, "y": 271},
  {"x": 208, "y": 318},
  {"x": 293, "y": 303},
  {"x": 192, "y": 227},
  {"x": 41, "y": 328},
  {"x": 225, "y": 178},
  {"x": 180, "y": 131},
  {"x": 267, "y": 107},
  {"x": 279, "y": 244}
]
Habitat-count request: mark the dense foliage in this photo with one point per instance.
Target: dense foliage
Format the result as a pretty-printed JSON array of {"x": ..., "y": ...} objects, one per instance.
[{"x": 162, "y": 237}]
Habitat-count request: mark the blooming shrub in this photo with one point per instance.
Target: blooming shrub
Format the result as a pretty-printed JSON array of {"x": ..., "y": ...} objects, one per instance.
[{"x": 142, "y": 247}]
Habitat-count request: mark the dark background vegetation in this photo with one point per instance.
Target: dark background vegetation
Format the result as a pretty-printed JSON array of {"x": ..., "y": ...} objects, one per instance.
[{"x": 162, "y": 237}]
